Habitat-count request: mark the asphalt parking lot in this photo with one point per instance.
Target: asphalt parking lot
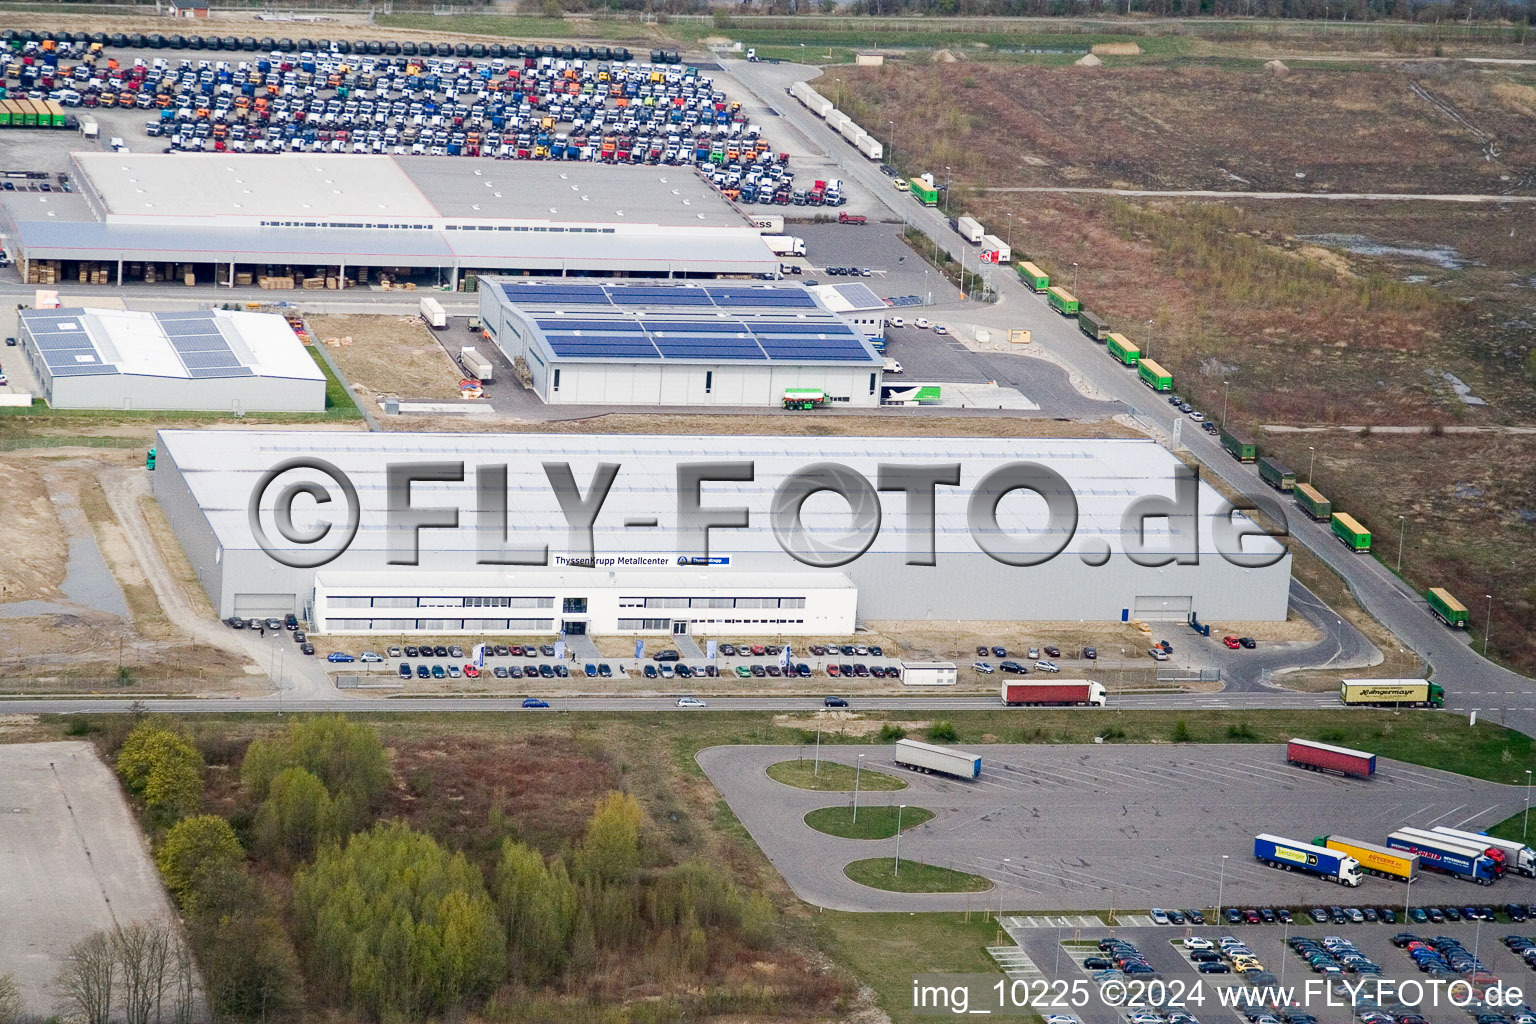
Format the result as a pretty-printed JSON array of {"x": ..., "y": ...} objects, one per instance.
[{"x": 1077, "y": 827}]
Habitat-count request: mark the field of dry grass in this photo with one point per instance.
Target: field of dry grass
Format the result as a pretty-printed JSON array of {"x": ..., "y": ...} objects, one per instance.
[{"x": 388, "y": 355}]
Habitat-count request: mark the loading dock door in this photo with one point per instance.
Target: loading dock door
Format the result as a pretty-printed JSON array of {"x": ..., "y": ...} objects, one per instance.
[
  {"x": 249, "y": 606},
  {"x": 1163, "y": 608}
]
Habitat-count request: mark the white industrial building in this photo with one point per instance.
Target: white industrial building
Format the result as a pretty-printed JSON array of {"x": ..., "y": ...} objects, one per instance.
[
  {"x": 646, "y": 575},
  {"x": 677, "y": 344},
  {"x": 207, "y": 359},
  {"x": 858, "y": 304}
]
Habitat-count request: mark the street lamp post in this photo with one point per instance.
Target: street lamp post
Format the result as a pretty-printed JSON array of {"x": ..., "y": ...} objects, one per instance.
[
  {"x": 947, "y": 179},
  {"x": 1527, "y": 823},
  {"x": 1311, "y": 461},
  {"x": 1150, "y": 325},
  {"x": 1408, "y": 898},
  {"x": 859, "y": 767},
  {"x": 1226, "y": 393},
  {"x": 890, "y": 155},
  {"x": 1402, "y": 526},
  {"x": 1074, "y": 279},
  {"x": 1488, "y": 625},
  {"x": 897, "y": 870},
  {"x": 816, "y": 764},
  {"x": 1220, "y": 885},
  {"x": 1006, "y": 862},
  {"x": 1010, "y": 234}
]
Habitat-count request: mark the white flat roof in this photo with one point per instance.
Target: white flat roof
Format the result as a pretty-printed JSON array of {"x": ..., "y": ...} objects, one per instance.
[
  {"x": 1105, "y": 477},
  {"x": 535, "y": 578},
  {"x": 199, "y": 344}
]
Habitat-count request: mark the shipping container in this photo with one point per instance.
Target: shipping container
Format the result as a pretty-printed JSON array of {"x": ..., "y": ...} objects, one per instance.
[
  {"x": 1276, "y": 475},
  {"x": 1375, "y": 860},
  {"x": 1418, "y": 693},
  {"x": 1033, "y": 276},
  {"x": 1122, "y": 349},
  {"x": 1062, "y": 301},
  {"x": 1093, "y": 325},
  {"x": 1324, "y": 757},
  {"x": 1153, "y": 375},
  {"x": 970, "y": 229},
  {"x": 1350, "y": 533},
  {"x": 927, "y": 757},
  {"x": 924, "y": 193},
  {"x": 1066, "y": 692},
  {"x": 1312, "y": 502},
  {"x": 1238, "y": 445},
  {"x": 1451, "y": 611}
]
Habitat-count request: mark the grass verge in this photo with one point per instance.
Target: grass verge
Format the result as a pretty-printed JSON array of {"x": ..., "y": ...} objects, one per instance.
[
  {"x": 913, "y": 876},
  {"x": 338, "y": 402},
  {"x": 878, "y": 822},
  {"x": 1512, "y": 828},
  {"x": 830, "y": 777}
]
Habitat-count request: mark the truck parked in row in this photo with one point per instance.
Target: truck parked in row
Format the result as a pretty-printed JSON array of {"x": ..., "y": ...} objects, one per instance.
[
  {"x": 1449, "y": 610},
  {"x": 1239, "y": 445},
  {"x": 1325, "y": 757},
  {"x": 1122, "y": 349},
  {"x": 970, "y": 229},
  {"x": 1274, "y": 473},
  {"x": 1294, "y": 855},
  {"x": 1093, "y": 325},
  {"x": 924, "y": 192},
  {"x": 1033, "y": 276},
  {"x": 1062, "y": 301},
  {"x": 1375, "y": 860},
  {"x": 432, "y": 314},
  {"x": 929, "y": 758},
  {"x": 1312, "y": 502},
  {"x": 1067, "y": 692},
  {"x": 995, "y": 250},
  {"x": 1392, "y": 693},
  {"x": 1153, "y": 375},
  {"x": 475, "y": 364},
  {"x": 1442, "y": 853},
  {"x": 1350, "y": 533},
  {"x": 1516, "y": 856}
]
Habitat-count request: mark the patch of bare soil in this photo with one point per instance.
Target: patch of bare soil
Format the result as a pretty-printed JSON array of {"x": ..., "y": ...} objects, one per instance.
[{"x": 387, "y": 355}]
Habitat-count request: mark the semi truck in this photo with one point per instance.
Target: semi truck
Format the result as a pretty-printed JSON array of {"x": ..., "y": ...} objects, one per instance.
[
  {"x": 1517, "y": 856},
  {"x": 1033, "y": 276},
  {"x": 970, "y": 229},
  {"x": 1153, "y": 375},
  {"x": 1275, "y": 474},
  {"x": 923, "y": 192},
  {"x": 1122, "y": 349},
  {"x": 1062, "y": 301},
  {"x": 1093, "y": 325},
  {"x": 1350, "y": 533},
  {"x": 1239, "y": 445},
  {"x": 1067, "y": 692},
  {"x": 432, "y": 314},
  {"x": 1392, "y": 693},
  {"x": 1293, "y": 855},
  {"x": 928, "y": 758},
  {"x": 1451, "y": 611},
  {"x": 785, "y": 245},
  {"x": 995, "y": 250},
  {"x": 1325, "y": 757},
  {"x": 1375, "y": 860},
  {"x": 475, "y": 364},
  {"x": 1312, "y": 502},
  {"x": 1442, "y": 853}
]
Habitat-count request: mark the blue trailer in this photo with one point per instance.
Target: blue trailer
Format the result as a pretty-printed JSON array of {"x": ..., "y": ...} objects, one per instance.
[
  {"x": 1294, "y": 855},
  {"x": 1442, "y": 853}
]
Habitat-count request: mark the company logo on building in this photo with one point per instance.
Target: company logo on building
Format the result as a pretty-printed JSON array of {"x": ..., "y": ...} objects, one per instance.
[{"x": 698, "y": 560}]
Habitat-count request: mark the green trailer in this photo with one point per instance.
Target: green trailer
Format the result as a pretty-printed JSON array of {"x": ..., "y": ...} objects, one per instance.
[
  {"x": 1033, "y": 276},
  {"x": 28, "y": 113},
  {"x": 1122, "y": 349},
  {"x": 1093, "y": 325},
  {"x": 1276, "y": 475},
  {"x": 50, "y": 113},
  {"x": 1451, "y": 611},
  {"x": 1313, "y": 503},
  {"x": 1153, "y": 375},
  {"x": 1350, "y": 533},
  {"x": 1239, "y": 445},
  {"x": 1062, "y": 301},
  {"x": 922, "y": 192}
]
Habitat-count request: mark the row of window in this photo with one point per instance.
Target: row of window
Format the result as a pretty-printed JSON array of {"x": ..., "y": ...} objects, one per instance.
[
  {"x": 337, "y": 601},
  {"x": 665, "y": 625},
  {"x": 711, "y": 602},
  {"x": 439, "y": 625},
  {"x": 339, "y": 224},
  {"x": 540, "y": 229}
]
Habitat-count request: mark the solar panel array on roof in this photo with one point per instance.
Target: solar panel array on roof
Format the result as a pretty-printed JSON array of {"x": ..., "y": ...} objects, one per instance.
[
  {"x": 596, "y": 346},
  {"x": 202, "y": 348},
  {"x": 65, "y": 345}
]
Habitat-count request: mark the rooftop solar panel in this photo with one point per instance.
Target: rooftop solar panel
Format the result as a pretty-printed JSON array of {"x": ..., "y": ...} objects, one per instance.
[
  {"x": 831, "y": 328},
  {"x": 776, "y": 297},
  {"x": 201, "y": 343},
  {"x": 715, "y": 348},
  {"x": 636, "y": 297},
  {"x": 564, "y": 325},
  {"x": 187, "y": 328},
  {"x": 221, "y": 371},
  {"x": 587, "y": 346},
  {"x": 84, "y": 370},
  {"x": 797, "y": 351},
  {"x": 696, "y": 327},
  {"x": 185, "y": 314},
  {"x": 209, "y": 360}
]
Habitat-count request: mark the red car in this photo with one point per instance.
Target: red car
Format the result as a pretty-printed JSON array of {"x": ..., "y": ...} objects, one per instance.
[
  {"x": 832, "y": 670},
  {"x": 1231, "y": 642},
  {"x": 471, "y": 672}
]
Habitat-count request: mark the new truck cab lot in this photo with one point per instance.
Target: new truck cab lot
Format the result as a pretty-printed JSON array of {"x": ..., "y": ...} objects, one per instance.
[{"x": 1095, "y": 827}]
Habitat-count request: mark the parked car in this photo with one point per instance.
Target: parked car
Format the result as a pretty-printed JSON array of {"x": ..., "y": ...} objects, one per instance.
[
  {"x": 534, "y": 702},
  {"x": 690, "y": 702},
  {"x": 339, "y": 656}
]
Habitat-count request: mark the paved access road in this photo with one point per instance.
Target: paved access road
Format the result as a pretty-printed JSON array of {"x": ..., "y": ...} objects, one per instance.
[
  {"x": 1083, "y": 827},
  {"x": 1471, "y": 682}
]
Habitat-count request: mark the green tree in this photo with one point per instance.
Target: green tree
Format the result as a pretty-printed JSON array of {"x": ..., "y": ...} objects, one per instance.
[
  {"x": 197, "y": 851},
  {"x": 297, "y": 816},
  {"x": 611, "y": 850},
  {"x": 250, "y": 967},
  {"x": 10, "y": 999},
  {"x": 395, "y": 925},
  {"x": 537, "y": 903},
  {"x": 346, "y": 756},
  {"x": 164, "y": 768}
]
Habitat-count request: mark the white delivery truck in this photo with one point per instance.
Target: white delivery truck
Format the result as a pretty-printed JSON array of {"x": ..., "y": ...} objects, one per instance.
[
  {"x": 432, "y": 314},
  {"x": 995, "y": 250},
  {"x": 475, "y": 364},
  {"x": 785, "y": 245},
  {"x": 930, "y": 758},
  {"x": 970, "y": 229}
]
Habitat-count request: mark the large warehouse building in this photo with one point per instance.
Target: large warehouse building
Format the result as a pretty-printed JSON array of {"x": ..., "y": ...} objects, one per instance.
[
  {"x": 512, "y": 563},
  {"x": 349, "y": 217},
  {"x": 205, "y": 359},
  {"x": 677, "y": 344}
]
